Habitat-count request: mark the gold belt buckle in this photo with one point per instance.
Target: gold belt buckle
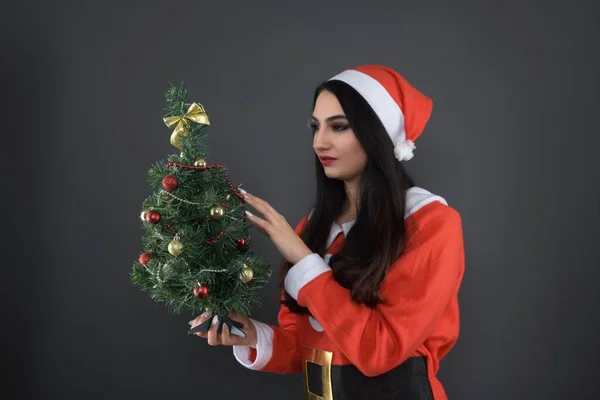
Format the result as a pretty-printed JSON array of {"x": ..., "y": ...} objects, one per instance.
[{"x": 323, "y": 359}]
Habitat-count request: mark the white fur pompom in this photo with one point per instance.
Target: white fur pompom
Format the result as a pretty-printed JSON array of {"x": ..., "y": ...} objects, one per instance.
[{"x": 404, "y": 150}]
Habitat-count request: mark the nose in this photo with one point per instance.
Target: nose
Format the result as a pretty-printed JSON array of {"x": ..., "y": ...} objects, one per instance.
[{"x": 321, "y": 142}]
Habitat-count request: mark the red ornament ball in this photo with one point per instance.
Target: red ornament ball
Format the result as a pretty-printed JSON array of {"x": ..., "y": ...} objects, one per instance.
[
  {"x": 153, "y": 216},
  {"x": 242, "y": 244},
  {"x": 169, "y": 182},
  {"x": 145, "y": 258},
  {"x": 201, "y": 291}
]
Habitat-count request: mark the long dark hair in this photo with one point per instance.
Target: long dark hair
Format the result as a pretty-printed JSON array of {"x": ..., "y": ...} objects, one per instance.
[{"x": 377, "y": 237}]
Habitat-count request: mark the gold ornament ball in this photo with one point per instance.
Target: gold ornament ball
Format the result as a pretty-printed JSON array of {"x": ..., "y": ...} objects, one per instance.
[
  {"x": 246, "y": 274},
  {"x": 175, "y": 247},
  {"x": 217, "y": 213},
  {"x": 201, "y": 162}
]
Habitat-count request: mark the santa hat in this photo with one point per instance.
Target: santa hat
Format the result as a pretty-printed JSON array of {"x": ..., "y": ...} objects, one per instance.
[{"x": 402, "y": 109}]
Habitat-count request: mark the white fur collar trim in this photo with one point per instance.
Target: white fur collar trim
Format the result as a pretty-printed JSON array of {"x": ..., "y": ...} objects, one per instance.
[{"x": 417, "y": 198}]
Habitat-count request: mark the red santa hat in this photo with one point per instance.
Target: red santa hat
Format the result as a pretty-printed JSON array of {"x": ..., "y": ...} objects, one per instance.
[{"x": 402, "y": 109}]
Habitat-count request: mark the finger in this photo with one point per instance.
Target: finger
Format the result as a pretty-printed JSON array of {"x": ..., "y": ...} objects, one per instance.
[
  {"x": 261, "y": 224},
  {"x": 226, "y": 338},
  {"x": 213, "y": 335},
  {"x": 260, "y": 205},
  {"x": 200, "y": 319}
]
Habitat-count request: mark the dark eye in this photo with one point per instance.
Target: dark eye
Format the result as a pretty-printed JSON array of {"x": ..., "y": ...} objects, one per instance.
[
  {"x": 313, "y": 128},
  {"x": 339, "y": 127}
]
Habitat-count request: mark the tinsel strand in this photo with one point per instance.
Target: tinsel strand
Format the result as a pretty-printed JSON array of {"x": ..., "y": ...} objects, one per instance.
[{"x": 180, "y": 199}]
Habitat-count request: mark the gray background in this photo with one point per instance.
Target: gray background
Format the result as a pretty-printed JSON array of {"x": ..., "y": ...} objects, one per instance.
[{"x": 512, "y": 144}]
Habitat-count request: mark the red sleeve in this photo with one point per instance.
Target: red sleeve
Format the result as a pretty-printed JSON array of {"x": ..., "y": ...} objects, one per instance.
[{"x": 417, "y": 290}]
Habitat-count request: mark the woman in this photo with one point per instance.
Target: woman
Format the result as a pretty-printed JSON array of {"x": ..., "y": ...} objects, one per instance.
[{"x": 371, "y": 276}]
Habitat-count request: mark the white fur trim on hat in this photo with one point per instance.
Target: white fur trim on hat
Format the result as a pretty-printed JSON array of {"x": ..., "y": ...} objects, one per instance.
[
  {"x": 389, "y": 112},
  {"x": 403, "y": 150}
]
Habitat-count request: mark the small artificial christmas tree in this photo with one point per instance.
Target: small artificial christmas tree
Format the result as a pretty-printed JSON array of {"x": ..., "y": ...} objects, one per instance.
[{"x": 196, "y": 243}]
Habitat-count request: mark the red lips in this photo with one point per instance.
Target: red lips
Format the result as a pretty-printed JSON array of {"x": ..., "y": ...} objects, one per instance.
[{"x": 326, "y": 160}]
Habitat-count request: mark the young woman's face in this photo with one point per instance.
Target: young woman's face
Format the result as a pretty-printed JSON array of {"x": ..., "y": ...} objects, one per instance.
[{"x": 334, "y": 138}]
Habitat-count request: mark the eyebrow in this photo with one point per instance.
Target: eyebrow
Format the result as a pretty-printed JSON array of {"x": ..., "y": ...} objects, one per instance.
[{"x": 332, "y": 118}]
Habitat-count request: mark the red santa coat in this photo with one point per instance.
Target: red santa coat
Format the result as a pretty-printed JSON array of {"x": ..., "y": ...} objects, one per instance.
[{"x": 356, "y": 349}]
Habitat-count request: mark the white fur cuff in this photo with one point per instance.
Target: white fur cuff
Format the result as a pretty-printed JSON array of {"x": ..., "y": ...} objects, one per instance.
[
  {"x": 264, "y": 348},
  {"x": 303, "y": 272}
]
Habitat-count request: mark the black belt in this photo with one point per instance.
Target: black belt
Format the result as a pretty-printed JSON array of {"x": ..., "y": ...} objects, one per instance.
[{"x": 324, "y": 381}]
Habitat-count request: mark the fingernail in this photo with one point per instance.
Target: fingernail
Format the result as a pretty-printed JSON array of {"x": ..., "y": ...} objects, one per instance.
[
  {"x": 215, "y": 320},
  {"x": 191, "y": 322},
  {"x": 243, "y": 191},
  {"x": 206, "y": 314},
  {"x": 249, "y": 213}
]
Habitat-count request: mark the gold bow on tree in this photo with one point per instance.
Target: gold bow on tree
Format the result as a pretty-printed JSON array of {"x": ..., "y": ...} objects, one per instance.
[{"x": 195, "y": 114}]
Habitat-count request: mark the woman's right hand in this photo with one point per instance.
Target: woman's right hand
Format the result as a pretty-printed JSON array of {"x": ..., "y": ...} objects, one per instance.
[{"x": 225, "y": 338}]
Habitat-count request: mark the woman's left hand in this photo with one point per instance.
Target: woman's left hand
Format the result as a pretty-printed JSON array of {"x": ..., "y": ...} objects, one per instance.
[{"x": 276, "y": 227}]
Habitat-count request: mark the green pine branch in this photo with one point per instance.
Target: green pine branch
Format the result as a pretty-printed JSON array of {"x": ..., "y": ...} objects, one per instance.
[{"x": 176, "y": 97}]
